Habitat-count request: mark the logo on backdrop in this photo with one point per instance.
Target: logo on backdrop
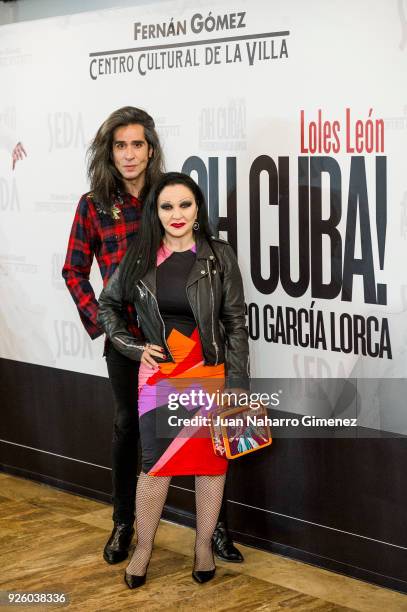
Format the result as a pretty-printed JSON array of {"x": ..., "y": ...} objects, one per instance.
[
  {"x": 350, "y": 251},
  {"x": 72, "y": 340},
  {"x": 9, "y": 198},
  {"x": 8, "y": 117},
  {"x": 65, "y": 130},
  {"x": 57, "y": 262},
  {"x": 14, "y": 57},
  {"x": 223, "y": 128},
  {"x": 403, "y": 23},
  {"x": 167, "y": 131},
  {"x": 13, "y": 264},
  {"x": 403, "y": 217},
  {"x": 228, "y": 44},
  {"x": 57, "y": 203}
]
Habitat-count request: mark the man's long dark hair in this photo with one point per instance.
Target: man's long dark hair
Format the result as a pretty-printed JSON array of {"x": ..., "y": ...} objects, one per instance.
[
  {"x": 104, "y": 178},
  {"x": 141, "y": 255}
]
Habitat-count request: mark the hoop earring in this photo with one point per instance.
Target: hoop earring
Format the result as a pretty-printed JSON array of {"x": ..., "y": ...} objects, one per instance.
[{"x": 195, "y": 225}]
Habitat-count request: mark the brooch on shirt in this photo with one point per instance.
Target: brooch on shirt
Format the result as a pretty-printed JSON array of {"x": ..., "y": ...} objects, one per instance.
[
  {"x": 116, "y": 212},
  {"x": 115, "y": 209}
]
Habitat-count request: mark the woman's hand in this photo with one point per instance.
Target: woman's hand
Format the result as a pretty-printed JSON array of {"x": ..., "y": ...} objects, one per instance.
[{"x": 151, "y": 351}]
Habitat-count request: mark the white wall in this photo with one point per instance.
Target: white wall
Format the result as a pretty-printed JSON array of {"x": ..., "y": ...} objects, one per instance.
[{"x": 24, "y": 10}]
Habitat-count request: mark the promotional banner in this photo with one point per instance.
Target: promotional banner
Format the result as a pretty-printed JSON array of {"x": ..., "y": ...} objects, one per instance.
[{"x": 292, "y": 116}]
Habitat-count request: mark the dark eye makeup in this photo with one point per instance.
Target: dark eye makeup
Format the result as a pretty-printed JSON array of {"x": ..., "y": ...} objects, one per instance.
[{"x": 168, "y": 205}]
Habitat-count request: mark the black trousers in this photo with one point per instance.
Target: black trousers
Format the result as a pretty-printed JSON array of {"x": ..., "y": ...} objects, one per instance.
[{"x": 123, "y": 375}]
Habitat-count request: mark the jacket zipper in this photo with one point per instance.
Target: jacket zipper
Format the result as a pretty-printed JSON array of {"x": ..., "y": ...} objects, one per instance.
[
  {"x": 137, "y": 346},
  {"x": 213, "y": 308},
  {"x": 197, "y": 324},
  {"x": 159, "y": 314}
]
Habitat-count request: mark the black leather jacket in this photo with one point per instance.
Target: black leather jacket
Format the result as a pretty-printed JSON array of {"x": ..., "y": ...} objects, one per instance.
[{"x": 215, "y": 293}]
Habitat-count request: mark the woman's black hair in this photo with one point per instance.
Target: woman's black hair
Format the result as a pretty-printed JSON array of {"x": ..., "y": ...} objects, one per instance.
[{"x": 141, "y": 255}]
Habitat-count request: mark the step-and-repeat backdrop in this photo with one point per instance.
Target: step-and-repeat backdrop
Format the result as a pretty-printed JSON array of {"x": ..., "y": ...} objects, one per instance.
[{"x": 293, "y": 118}]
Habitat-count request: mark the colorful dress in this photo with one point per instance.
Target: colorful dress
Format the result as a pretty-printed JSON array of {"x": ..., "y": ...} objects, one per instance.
[{"x": 171, "y": 448}]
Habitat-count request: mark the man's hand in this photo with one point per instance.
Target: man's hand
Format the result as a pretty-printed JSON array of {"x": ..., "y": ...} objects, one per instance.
[{"x": 18, "y": 153}]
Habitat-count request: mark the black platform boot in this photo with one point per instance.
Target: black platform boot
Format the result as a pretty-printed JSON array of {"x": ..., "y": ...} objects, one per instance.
[
  {"x": 223, "y": 546},
  {"x": 117, "y": 547}
]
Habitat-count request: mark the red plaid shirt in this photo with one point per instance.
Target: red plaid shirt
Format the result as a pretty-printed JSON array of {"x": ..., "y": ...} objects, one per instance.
[{"x": 96, "y": 233}]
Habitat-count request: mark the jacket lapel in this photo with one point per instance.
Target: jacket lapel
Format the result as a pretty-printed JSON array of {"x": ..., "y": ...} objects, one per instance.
[
  {"x": 203, "y": 253},
  {"x": 149, "y": 279}
]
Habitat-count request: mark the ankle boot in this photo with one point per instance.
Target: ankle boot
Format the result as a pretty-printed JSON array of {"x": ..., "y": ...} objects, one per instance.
[
  {"x": 117, "y": 546},
  {"x": 223, "y": 546}
]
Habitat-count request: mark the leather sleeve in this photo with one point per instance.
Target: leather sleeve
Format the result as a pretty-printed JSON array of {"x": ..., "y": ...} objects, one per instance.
[
  {"x": 233, "y": 318},
  {"x": 110, "y": 318}
]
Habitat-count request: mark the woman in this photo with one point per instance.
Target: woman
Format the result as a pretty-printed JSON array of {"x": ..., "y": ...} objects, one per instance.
[{"x": 187, "y": 290}]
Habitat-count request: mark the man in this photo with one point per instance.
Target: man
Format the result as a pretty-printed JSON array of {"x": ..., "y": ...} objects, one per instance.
[{"x": 125, "y": 159}]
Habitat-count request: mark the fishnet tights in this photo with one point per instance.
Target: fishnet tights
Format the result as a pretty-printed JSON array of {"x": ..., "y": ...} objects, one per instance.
[
  {"x": 150, "y": 498},
  {"x": 208, "y": 498},
  {"x": 151, "y": 494}
]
